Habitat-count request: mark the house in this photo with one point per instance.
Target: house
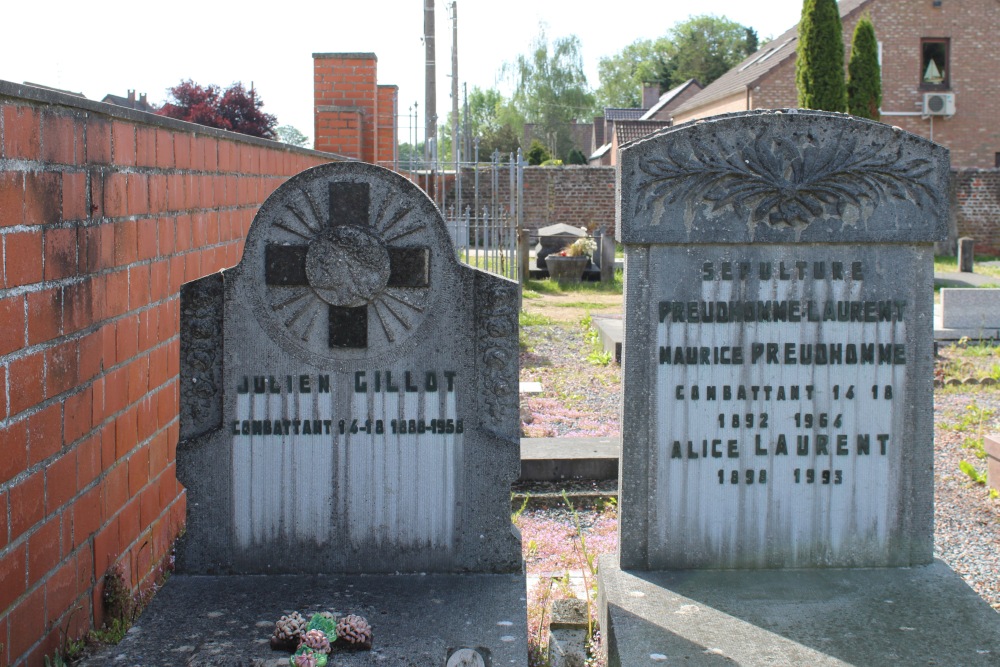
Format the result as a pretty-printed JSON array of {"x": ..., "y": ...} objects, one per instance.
[
  {"x": 619, "y": 126},
  {"x": 940, "y": 77},
  {"x": 129, "y": 102}
]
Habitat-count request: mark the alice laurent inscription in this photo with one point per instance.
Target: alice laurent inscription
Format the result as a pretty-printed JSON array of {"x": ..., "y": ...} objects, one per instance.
[{"x": 776, "y": 364}]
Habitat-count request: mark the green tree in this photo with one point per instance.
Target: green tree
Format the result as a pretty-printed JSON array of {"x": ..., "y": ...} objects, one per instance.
[
  {"x": 492, "y": 119},
  {"x": 819, "y": 62},
  {"x": 701, "y": 47},
  {"x": 291, "y": 135},
  {"x": 550, "y": 89},
  {"x": 864, "y": 79},
  {"x": 538, "y": 153}
]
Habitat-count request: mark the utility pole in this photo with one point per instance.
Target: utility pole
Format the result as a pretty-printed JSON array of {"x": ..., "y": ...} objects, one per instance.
[
  {"x": 430, "y": 83},
  {"x": 454, "y": 85}
]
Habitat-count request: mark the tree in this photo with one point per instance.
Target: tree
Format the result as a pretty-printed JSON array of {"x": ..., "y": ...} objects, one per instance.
[
  {"x": 538, "y": 153},
  {"x": 550, "y": 89},
  {"x": 291, "y": 135},
  {"x": 491, "y": 119},
  {"x": 702, "y": 48},
  {"x": 819, "y": 63},
  {"x": 864, "y": 80},
  {"x": 234, "y": 109}
]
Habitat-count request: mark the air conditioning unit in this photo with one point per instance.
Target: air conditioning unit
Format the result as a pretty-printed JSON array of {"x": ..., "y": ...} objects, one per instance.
[{"x": 939, "y": 104}]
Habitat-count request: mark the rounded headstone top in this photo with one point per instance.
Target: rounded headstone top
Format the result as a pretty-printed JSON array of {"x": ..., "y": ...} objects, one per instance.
[
  {"x": 344, "y": 262},
  {"x": 783, "y": 176}
]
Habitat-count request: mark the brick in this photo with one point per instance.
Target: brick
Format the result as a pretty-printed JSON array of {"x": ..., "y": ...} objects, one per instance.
[
  {"x": 45, "y": 315},
  {"x": 27, "y": 382},
  {"x": 138, "y": 286},
  {"x": 88, "y": 461},
  {"x": 148, "y": 328},
  {"x": 23, "y": 258},
  {"x": 43, "y": 550},
  {"x": 74, "y": 196},
  {"x": 27, "y": 504},
  {"x": 182, "y": 150},
  {"x": 138, "y": 470},
  {"x": 127, "y": 337},
  {"x": 11, "y": 198},
  {"x": 123, "y": 143},
  {"x": 145, "y": 146},
  {"x": 44, "y": 433},
  {"x": 106, "y": 549},
  {"x": 12, "y": 333},
  {"x": 126, "y": 433},
  {"x": 157, "y": 193},
  {"x": 158, "y": 359},
  {"x": 62, "y": 368},
  {"x": 159, "y": 280},
  {"x": 13, "y": 575},
  {"x": 138, "y": 194},
  {"x": 115, "y": 195},
  {"x": 3, "y": 392},
  {"x": 42, "y": 198},
  {"x": 87, "y": 514},
  {"x": 22, "y": 132},
  {"x": 79, "y": 413},
  {"x": 14, "y": 445},
  {"x": 128, "y": 525},
  {"x": 115, "y": 489},
  {"x": 116, "y": 293},
  {"x": 146, "y": 419},
  {"x": 59, "y": 252},
  {"x": 4, "y": 538},
  {"x": 116, "y": 391},
  {"x": 60, "y": 481},
  {"x": 96, "y": 178},
  {"x": 78, "y": 306},
  {"x": 26, "y": 620},
  {"x": 149, "y": 505},
  {"x": 60, "y": 592},
  {"x": 166, "y": 405},
  {"x": 138, "y": 378},
  {"x": 58, "y": 138},
  {"x": 98, "y": 141}
]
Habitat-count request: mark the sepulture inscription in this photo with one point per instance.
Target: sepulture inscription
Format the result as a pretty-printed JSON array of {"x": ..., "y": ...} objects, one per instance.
[{"x": 777, "y": 357}]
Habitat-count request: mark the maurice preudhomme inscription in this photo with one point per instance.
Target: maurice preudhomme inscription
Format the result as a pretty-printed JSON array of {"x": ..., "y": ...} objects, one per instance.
[
  {"x": 774, "y": 388},
  {"x": 364, "y": 382}
]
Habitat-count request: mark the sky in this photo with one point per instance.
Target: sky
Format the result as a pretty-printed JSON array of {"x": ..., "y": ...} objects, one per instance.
[{"x": 105, "y": 46}]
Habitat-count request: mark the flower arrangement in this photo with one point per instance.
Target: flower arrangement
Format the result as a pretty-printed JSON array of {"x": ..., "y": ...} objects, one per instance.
[{"x": 582, "y": 247}]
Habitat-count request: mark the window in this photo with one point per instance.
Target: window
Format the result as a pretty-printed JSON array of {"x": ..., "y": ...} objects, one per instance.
[{"x": 934, "y": 65}]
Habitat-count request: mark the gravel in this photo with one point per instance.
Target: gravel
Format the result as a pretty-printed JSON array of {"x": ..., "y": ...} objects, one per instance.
[{"x": 580, "y": 398}]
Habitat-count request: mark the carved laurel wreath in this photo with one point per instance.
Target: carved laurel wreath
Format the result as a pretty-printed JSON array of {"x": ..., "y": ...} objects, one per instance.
[{"x": 781, "y": 182}]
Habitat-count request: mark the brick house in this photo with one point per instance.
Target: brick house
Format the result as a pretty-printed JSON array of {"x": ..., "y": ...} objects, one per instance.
[
  {"x": 939, "y": 74},
  {"x": 619, "y": 126}
]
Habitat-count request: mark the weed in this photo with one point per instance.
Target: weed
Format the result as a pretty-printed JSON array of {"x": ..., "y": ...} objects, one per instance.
[
  {"x": 597, "y": 355},
  {"x": 970, "y": 470},
  {"x": 994, "y": 494},
  {"x": 526, "y": 319},
  {"x": 524, "y": 505},
  {"x": 549, "y": 286},
  {"x": 589, "y": 571}
]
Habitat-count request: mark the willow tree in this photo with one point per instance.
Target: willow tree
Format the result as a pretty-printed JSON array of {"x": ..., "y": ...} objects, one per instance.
[
  {"x": 864, "y": 79},
  {"x": 819, "y": 63}
]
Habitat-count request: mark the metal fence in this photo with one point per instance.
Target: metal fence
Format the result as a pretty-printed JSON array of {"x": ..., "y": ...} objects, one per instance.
[{"x": 482, "y": 203}]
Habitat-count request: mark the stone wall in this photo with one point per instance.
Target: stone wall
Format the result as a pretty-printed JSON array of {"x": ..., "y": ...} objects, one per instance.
[{"x": 104, "y": 213}]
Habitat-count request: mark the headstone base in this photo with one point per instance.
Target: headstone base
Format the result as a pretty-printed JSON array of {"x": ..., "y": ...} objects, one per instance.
[
  {"x": 416, "y": 619},
  {"x": 907, "y": 616}
]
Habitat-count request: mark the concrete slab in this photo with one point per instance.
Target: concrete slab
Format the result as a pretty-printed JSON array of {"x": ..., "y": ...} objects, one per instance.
[
  {"x": 416, "y": 619},
  {"x": 864, "y": 617},
  {"x": 959, "y": 279},
  {"x": 554, "y": 459},
  {"x": 943, "y": 333},
  {"x": 530, "y": 387},
  {"x": 611, "y": 332}
]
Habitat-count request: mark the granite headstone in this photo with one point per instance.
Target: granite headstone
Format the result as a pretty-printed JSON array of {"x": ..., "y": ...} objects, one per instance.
[
  {"x": 778, "y": 399},
  {"x": 348, "y": 391}
]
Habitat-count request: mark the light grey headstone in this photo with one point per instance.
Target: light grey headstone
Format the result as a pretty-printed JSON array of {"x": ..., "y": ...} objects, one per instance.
[
  {"x": 778, "y": 290},
  {"x": 349, "y": 391}
]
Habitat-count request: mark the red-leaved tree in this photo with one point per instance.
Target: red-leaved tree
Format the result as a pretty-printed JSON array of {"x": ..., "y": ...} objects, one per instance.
[{"x": 233, "y": 109}]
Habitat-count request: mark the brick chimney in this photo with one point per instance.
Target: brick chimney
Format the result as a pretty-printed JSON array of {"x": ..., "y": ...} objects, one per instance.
[
  {"x": 142, "y": 100},
  {"x": 345, "y": 104},
  {"x": 131, "y": 96},
  {"x": 650, "y": 95}
]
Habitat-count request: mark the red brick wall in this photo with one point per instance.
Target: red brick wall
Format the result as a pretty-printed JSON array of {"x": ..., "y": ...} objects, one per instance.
[
  {"x": 345, "y": 84},
  {"x": 977, "y": 199},
  {"x": 104, "y": 212}
]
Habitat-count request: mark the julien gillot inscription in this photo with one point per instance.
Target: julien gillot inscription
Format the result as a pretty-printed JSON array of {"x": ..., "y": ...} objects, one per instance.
[
  {"x": 364, "y": 372},
  {"x": 778, "y": 300}
]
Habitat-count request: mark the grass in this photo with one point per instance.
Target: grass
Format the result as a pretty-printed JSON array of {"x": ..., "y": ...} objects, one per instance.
[
  {"x": 549, "y": 286},
  {"x": 945, "y": 264},
  {"x": 966, "y": 359}
]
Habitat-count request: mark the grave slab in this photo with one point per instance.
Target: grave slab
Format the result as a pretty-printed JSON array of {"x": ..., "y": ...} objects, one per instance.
[
  {"x": 833, "y": 617},
  {"x": 417, "y": 620}
]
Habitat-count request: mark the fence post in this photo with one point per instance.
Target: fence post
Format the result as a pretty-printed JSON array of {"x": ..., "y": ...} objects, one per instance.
[
  {"x": 607, "y": 257},
  {"x": 966, "y": 248},
  {"x": 523, "y": 240}
]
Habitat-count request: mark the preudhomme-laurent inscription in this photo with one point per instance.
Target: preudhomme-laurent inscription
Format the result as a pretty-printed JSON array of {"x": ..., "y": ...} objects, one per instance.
[{"x": 780, "y": 420}]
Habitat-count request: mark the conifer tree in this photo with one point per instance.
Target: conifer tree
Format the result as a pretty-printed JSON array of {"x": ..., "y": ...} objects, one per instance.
[
  {"x": 819, "y": 63},
  {"x": 864, "y": 80}
]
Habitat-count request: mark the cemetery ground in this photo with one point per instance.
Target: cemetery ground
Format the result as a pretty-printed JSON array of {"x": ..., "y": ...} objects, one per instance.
[{"x": 580, "y": 397}]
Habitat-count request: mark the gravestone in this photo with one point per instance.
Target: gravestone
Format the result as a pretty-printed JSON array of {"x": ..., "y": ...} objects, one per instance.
[
  {"x": 349, "y": 408},
  {"x": 554, "y": 238},
  {"x": 777, "y": 394}
]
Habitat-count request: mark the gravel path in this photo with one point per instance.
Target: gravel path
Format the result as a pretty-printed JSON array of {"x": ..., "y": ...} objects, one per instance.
[{"x": 582, "y": 399}]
